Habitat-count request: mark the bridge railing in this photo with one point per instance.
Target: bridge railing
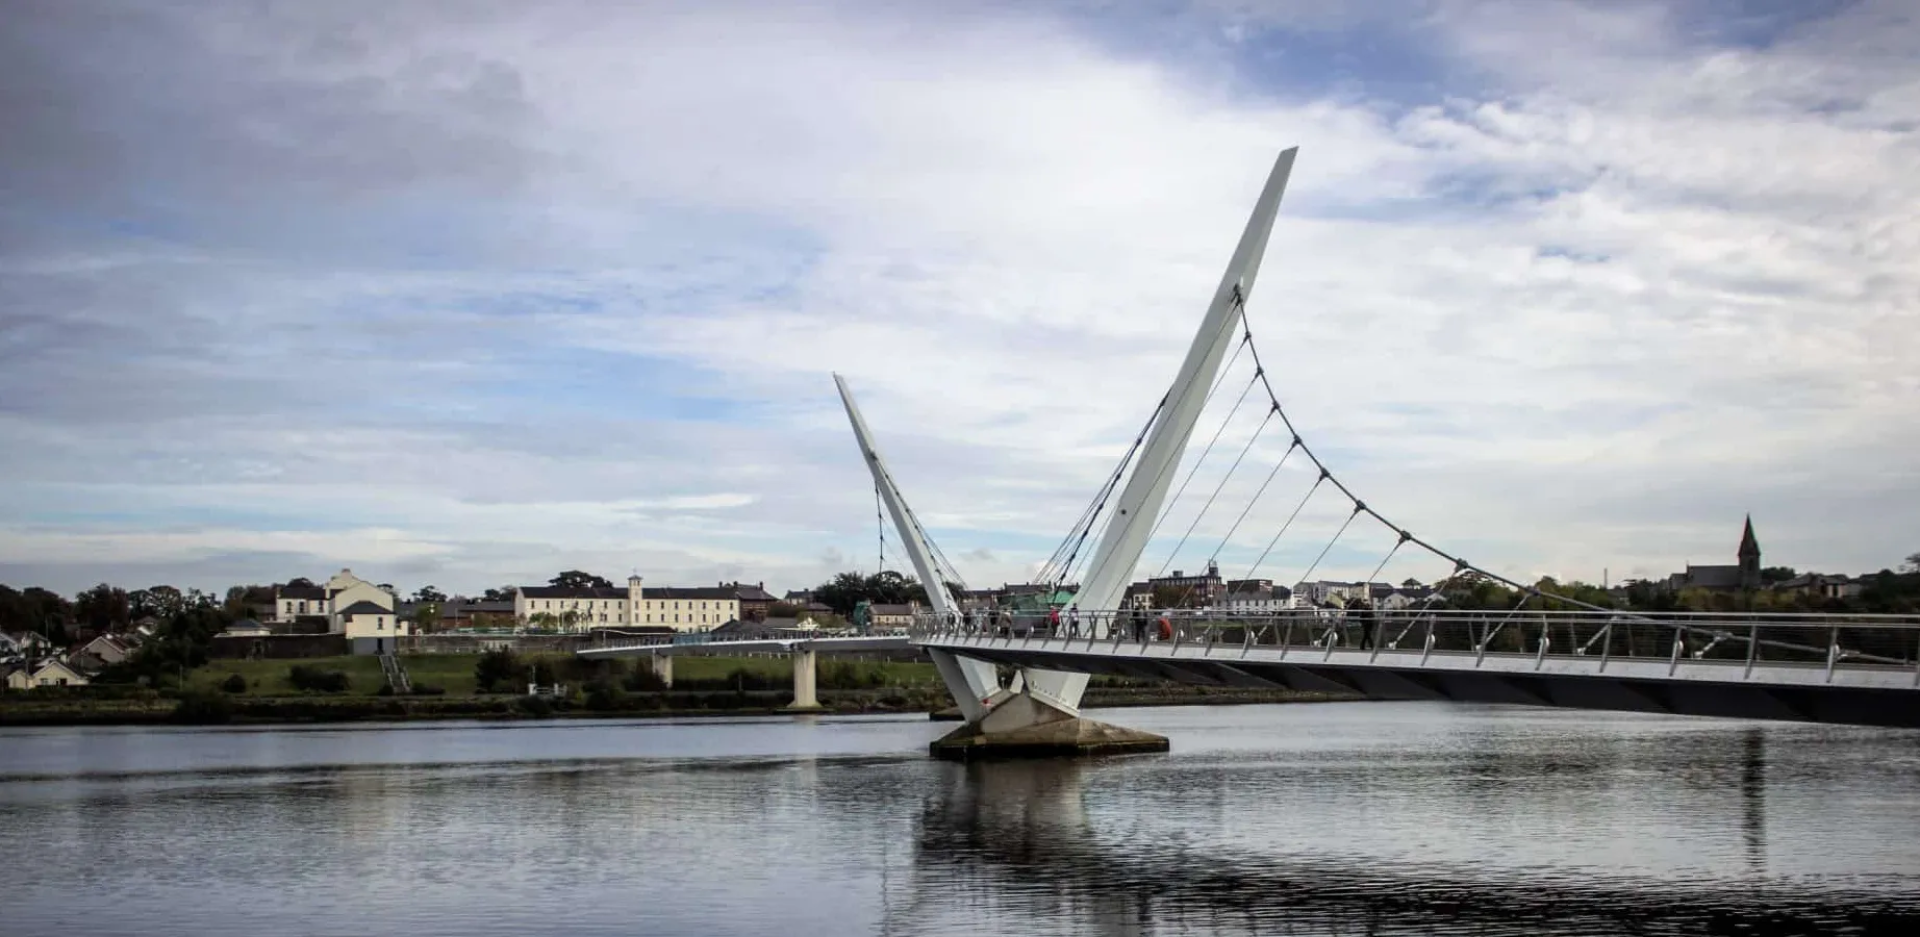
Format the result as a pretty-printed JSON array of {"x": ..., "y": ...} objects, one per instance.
[
  {"x": 1823, "y": 640},
  {"x": 614, "y": 640}
]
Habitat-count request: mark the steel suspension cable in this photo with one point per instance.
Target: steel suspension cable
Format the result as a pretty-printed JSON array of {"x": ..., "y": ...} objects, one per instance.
[
  {"x": 1246, "y": 341},
  {"x": 1216, "y": 491},
  {"x": 1254, "y": 500},
  {"x": 1283, "y": 527},
  {"x": 1324, "y": 550},
  {"x": 880, "y": 525},
  {"x": 1100, "y": 498},
  {"x": 1327, "y": 475},
  {"x": 1167, "y": 510},
  {"x": 1088, "y": 517},
  {"x": 942, "y": 565}
]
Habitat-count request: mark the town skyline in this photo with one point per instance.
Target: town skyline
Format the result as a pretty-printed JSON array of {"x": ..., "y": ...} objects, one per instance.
[{"x": 429, "y": 299}]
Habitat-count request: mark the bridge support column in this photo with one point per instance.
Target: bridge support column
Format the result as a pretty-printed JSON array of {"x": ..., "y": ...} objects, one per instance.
[
  {"x": 805, "y": 667},
  {"x": 662, "y": 667},
  {"x": 1032, "y": 724}
]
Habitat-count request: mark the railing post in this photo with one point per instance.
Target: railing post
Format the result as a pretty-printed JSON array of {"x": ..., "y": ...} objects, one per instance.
[
  {"x": 1606, "y": 645},
  {"x": 1833, "y": 652},
  {"x": 1753, "y": 648},
  {"x": 1546, "y": 640},
  {"x": 1679, "y": 645},
  {"x": 1287, "y": 641}
]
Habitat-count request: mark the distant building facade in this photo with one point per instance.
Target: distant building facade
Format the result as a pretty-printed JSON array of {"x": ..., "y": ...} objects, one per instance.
[
  {"x": 1743, "y": 576},
  {"x": 587, "y": 607},
  {"x": 293, "y": 603}
]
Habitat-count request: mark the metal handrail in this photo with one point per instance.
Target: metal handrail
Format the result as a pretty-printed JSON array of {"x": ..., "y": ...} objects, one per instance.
[{"x": 1879, "y": 639}]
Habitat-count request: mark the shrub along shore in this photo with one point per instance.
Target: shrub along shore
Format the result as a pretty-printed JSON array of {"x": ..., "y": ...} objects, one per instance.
[{"x": 493, "y": 686}]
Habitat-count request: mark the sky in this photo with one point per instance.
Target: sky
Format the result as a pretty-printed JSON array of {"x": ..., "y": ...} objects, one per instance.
[{"x": 468, "y": 294}]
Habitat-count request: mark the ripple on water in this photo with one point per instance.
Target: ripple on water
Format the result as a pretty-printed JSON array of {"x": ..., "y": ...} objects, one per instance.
[{"x": 1326, "y": 819}]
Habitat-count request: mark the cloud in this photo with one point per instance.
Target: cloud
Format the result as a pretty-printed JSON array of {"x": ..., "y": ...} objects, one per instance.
[{"x": 470, "y": 296}]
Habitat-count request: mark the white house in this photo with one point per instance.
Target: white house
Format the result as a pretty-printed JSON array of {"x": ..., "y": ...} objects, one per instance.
[
  {"x": 46, "y": 673},
  {"x": 370, "y": 628},
  {"x": 584, "y": 608},
  {"x": 108, "y": 649},
  {"x": 24, "y": 643},
  {"x": 293, "y": 602},
  {"x": 1257, "y": 602}
]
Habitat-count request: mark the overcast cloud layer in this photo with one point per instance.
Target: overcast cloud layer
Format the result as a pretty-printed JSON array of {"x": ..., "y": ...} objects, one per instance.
[{"x": 471, "y": 293}]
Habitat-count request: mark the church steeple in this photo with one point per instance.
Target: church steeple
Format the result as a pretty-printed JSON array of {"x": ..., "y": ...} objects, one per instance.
[{"x": 1749, "y": 558}]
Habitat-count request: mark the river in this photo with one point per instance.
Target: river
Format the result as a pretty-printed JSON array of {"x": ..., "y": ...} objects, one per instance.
[{"x": 1338, "y": 818}]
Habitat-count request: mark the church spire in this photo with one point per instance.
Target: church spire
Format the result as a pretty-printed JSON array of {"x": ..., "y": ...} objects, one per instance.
[{"x": 1749, "y": 558}]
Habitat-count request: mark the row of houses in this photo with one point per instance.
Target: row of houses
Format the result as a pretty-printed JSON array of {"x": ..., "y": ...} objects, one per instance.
[{"x": 29, "y": 661}]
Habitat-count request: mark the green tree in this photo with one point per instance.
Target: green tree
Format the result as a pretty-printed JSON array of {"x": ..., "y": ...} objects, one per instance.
[
  {"x": 500, "y": 594},
  {"x": 37, "y": 610},
  {"x": 103, "y": 608},
  {"x": 162, "y": 602},
  {"x": 429, "y": 594},
  {"x": 886, "y": 587},
  {"x": 247, "y": 601},
  {"x": 575, "y": 579},
  {"x": 497, "y": 667},
  {"x": 181, "y": 644}
]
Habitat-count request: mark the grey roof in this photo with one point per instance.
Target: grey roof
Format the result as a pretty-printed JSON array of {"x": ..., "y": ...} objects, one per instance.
[
  {"x": 572, "y": 592},
  {"x": 699, "y": 592},
  {"x": 620, "y": 592},
  {"x": 452, "y": 609},
  {"x": 752, "y": 592},
  {"x": 300, "y": 592},
  {"x": 365, "y": 608},
  {"x": 737, "y": 627},
  {"x": 1714, "y": 577}
]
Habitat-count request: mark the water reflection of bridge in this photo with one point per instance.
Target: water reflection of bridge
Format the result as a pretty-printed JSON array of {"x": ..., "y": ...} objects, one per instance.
[{"x": 1021, "y": 839}]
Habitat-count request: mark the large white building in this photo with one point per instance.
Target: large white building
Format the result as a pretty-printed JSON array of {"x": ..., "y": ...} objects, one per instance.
[
  {"x": 349, "y": 605},
  {"x": 588, "y": 607}
]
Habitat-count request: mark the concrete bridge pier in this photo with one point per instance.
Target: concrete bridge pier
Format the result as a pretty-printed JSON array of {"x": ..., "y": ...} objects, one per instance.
[
  {"x": 663, "y": 668},
  {"x": 805, "y": 673}
]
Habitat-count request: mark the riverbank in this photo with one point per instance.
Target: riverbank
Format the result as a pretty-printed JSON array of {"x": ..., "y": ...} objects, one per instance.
[{"x": 147, "y": 707}]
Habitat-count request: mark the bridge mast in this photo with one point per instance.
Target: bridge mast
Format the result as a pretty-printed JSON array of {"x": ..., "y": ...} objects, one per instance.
[
  {"x": 1119, "y": 551},
  {"x": 977, "y": 677}
]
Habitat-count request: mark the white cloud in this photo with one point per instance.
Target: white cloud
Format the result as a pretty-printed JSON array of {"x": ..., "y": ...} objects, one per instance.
[{"x": 1584, "y": 314}]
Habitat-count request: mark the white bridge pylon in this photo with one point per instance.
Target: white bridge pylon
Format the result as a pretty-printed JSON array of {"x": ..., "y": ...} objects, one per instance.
[
  {"x": 1047, "y": 695},
  {"x": 975, "y": 684}
]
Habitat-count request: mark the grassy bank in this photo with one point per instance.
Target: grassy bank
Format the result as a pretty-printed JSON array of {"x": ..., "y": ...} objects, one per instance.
[
  {"x": 454, "y": 673},
  {"x": 702, "y": 686}
]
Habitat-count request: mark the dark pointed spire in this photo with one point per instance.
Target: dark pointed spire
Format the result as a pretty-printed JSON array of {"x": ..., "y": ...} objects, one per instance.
[{"x": 1749, "y": 545}]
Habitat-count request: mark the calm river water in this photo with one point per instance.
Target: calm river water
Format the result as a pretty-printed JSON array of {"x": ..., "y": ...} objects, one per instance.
[{"x": 1367, "y": 818}]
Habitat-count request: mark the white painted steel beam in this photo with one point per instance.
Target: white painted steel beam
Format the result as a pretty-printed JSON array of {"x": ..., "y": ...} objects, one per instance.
[
  {"x": 1112, "y": 565},
  {"x": 978, "y": 681}
]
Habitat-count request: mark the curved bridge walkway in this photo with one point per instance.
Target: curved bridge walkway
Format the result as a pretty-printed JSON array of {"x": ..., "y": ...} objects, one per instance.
[{"x": 1856, "y": 669}]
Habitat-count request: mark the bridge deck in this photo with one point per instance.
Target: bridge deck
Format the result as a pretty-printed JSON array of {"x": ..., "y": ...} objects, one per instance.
[
  {"x": 1744, "y": 667},
  {"x": 646, "y": 647}
]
